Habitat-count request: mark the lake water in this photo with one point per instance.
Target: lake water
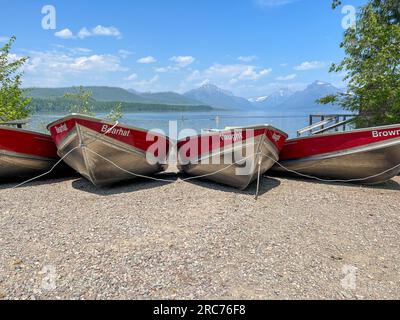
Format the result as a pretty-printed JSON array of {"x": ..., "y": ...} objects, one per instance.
[{"x": 195, "y": 120}]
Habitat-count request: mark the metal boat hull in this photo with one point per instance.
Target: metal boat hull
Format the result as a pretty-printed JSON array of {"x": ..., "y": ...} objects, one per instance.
[
  {"x": 19, "y": 166},
  {"x": 368, "y": 162},
  {"x": 25, "y": 154},
  {"x": 101, "y": 158},
  {"x": 246, "y": 160}
]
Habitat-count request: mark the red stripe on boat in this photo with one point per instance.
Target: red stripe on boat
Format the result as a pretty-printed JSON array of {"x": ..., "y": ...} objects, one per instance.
[
  {"x": 141, "y": 140},
  {"x": 28, "y": 143},
  {"x": 198, "y": 146},
  {"x": 327, "y": 143},
  {"x": 277, "y": 138}
]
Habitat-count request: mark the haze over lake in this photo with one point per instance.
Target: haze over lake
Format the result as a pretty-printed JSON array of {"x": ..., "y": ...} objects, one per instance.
[{"x": 196, "y": 120}]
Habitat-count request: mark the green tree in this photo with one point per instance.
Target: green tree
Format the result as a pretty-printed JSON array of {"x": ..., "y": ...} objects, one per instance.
[
  {"x": 115, "y": 113},
  {"x": 371, "y": 64},
  {"x": 13, "y": 104},
  {"x": 82, "y": 101}
]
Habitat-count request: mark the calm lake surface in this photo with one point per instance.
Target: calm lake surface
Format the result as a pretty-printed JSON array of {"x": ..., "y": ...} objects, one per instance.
[{"x": 195, "y": 120}]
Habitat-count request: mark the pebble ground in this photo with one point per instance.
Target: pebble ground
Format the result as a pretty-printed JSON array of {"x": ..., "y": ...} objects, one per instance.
[{"x": 66, "y": 239}]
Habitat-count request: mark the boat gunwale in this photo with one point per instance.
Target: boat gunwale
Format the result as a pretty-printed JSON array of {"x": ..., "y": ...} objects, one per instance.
[
  {"x": 4, "y": 127},
  {"x": 214, "y": 133},
  {"x": 251, "y": 176},
  {"x": 92, "y": 134},
  {"x": 81, "y": 133},
  {"x": 320, "y": 135},
  {"x": 363, "y": 148},
  {"x": 233, "y": 148},
  {"x": 94, "y": 119}
]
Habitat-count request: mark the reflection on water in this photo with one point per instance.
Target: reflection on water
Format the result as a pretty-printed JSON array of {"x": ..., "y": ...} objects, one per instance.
[{"x": 195, "y": 120}]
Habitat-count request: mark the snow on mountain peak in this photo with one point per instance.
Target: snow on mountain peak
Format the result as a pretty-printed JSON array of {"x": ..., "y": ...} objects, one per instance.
[
  {"x": 320, "y": 83},
  {"x": 258, "y": 99}
]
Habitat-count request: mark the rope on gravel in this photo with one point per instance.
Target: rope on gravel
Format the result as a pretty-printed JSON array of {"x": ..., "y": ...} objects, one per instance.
[
  {"x": 60, "y": 160},
  {"x": 46, "y": 173},
  {"x": 208, "y": 174},
  {"x": 168, "y": 180},
  {"x": 258, "y": 177},
  {"x": 332, "y": 180}
]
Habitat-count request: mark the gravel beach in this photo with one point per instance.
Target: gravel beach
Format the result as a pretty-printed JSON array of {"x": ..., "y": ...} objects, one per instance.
[{"x": 66, "y": 239}]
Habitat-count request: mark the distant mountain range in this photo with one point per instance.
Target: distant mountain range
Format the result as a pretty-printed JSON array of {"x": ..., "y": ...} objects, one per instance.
[
  {"x": 280, "y": 101},
  {"x": 304, "y": 101},
  {"x": 272, "y": 100},
  {"x": 216, "y": 97},
  {"x": 103, "y": 99},
  {"x": 108, "y": 94},
  {"x": 206, "y": 97},
  {"x": 170, "y": 98}
]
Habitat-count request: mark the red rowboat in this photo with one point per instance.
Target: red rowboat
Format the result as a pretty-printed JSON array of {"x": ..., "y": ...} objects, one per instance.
[
  {"x": 369, "y": 156},
  {"x": 25, "y": 154},
  {"x": 106, "y": 153},
  {"x": 235, "y": 156}
]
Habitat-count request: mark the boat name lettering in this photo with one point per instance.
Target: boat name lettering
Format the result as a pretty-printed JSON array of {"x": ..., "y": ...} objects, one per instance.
[
  {"x": 61, "y": 128},
  {"x": 115, "y": 131},
  {"x": 232, "y": 137},
  {"x": 276, "y": 137},
  {"x": 388, "y": 133}
]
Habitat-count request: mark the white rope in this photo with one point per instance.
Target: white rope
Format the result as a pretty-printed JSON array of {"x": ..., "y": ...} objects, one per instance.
[
  {"x": 127, "y": 171},
  {"x": 205, "y": 175},
  {"x": 258, "y": 177},
  {"x": 166, "y": 180},
  {"x": 331, "y": 180},
  {"x": 95, "y": 138},
  {"x": 46, "y": 173},
  {"x": 60, "y": 160},
  {"x": 237, "y": 162},
  {"x": 185, "y": 179},
  {"x": 218, "y": 171}
]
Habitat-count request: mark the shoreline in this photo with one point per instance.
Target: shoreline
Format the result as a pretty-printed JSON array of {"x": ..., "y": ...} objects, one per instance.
[{"x": 66, "y": 239}]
